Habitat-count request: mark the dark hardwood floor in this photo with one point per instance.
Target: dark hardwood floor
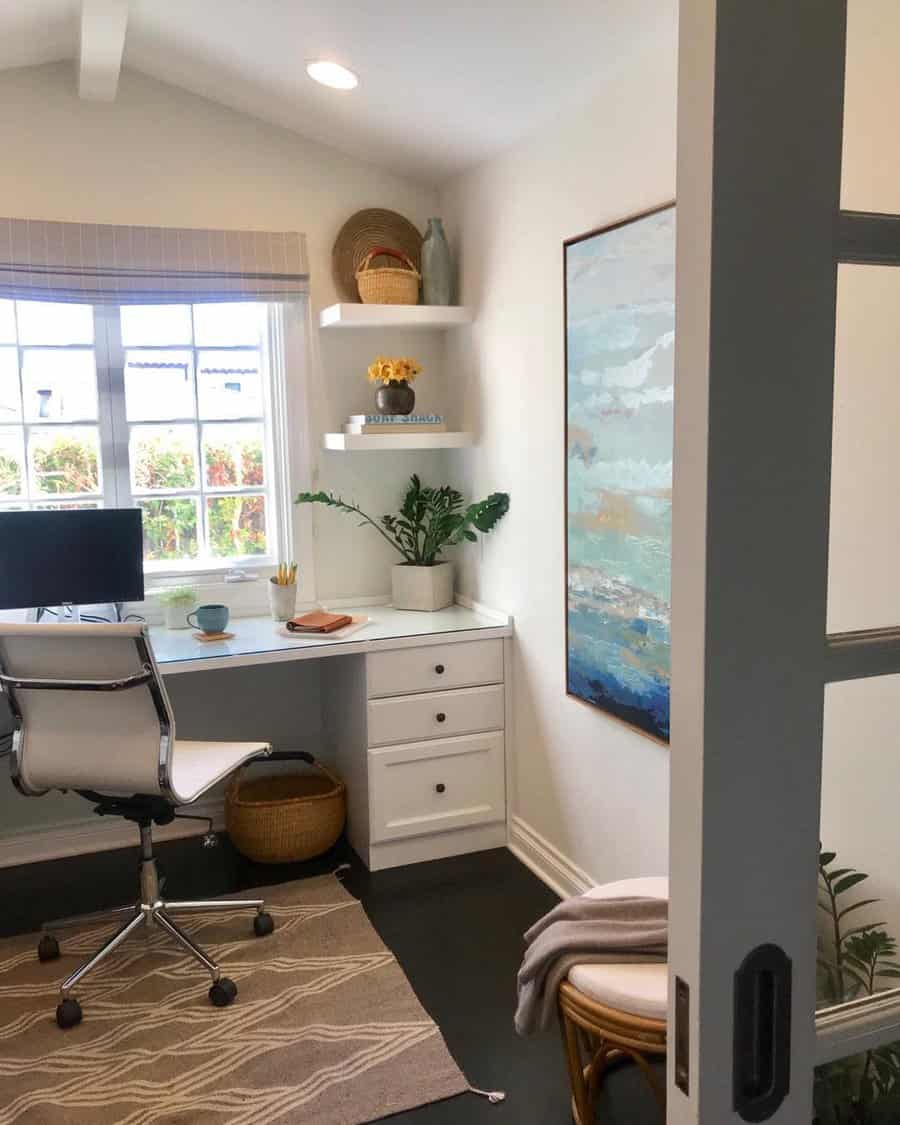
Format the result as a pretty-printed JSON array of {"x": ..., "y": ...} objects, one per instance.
[{"x": 455, "y": 926}]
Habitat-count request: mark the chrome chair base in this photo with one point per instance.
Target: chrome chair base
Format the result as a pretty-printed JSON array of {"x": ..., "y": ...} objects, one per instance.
[{"x": 150, "y": 911}]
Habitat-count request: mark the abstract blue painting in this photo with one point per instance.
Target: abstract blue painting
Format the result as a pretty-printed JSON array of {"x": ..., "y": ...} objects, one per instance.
[{"x": 620, "y": 379}]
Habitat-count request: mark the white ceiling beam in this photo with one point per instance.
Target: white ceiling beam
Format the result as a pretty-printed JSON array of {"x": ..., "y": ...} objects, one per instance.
[{"x": 103, "y": 24}]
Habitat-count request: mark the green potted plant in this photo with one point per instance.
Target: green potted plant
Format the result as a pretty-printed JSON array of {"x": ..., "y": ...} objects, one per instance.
[
  {"x": 177, "y": 602},
  {"x": 855, "y": 959},
  {"x": 429, "y": 521}
]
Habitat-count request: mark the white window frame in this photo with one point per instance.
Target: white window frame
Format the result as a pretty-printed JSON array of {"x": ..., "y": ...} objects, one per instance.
[{"x": 287, "y": 457}]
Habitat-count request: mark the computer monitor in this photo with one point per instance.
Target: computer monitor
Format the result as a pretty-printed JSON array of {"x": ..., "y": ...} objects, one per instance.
[{"x": 80, "y": 557}]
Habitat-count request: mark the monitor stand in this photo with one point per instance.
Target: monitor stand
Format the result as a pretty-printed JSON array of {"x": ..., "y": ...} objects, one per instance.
[
  {"x": 65, "y": 614},
  {"x": 68, "y": 613}
]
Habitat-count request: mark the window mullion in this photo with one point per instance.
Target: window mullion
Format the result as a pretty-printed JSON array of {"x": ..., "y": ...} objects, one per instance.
[
  {"x": 27, "y": 482},
  {"x": 113, "y": 420},
  {"x": 203, "y": 543}
]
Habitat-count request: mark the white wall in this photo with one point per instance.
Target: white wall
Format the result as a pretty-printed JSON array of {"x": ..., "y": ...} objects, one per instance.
[
  {"x": 163, "y": 157},
  {"x": 596, "y": 790},
  {"x": 159, "y": 156}
]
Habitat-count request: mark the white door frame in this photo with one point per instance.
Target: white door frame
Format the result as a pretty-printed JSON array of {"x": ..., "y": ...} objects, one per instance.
[{"x": 759, "y": 161}]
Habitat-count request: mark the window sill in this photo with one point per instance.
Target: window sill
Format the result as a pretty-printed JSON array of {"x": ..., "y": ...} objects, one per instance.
[
  {"x": 243, "y": 599},
  {"x": 189, "y": 574}
]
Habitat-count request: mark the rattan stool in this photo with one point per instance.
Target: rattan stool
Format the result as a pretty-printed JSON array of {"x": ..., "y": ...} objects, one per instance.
[{"x": 608, "y": 1012}]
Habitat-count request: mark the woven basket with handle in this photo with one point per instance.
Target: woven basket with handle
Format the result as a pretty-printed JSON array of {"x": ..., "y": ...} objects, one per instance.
[
  {"x": 388, "y": 285},
  {"x": 286, "y": 817}
]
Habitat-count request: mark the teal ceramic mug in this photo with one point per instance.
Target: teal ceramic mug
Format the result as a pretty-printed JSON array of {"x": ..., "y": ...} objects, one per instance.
[{"x": 210, "y": 618}]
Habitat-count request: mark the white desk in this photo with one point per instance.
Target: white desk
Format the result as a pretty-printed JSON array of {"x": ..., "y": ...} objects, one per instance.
[
  {"x": 257, "y": 640},
  {"x": 413, "y": 715}
]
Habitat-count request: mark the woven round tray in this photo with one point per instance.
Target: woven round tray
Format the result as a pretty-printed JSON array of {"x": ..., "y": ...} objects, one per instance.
[
  {"x": 360, "y": 234},
  {"x": 286, "y": 817}
]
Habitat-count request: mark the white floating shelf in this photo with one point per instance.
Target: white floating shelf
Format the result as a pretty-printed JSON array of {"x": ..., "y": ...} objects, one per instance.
[
  {"x": 358, "y": 442},
  {"x": 394, "y": 316}
]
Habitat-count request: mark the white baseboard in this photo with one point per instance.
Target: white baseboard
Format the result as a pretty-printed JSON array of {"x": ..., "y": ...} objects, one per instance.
[
  {"x": 101, "y": 834},
  {"x": 547, "y": 862}
]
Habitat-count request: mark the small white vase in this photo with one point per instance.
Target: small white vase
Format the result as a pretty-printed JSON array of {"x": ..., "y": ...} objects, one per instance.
[
  {"x": 422, "y": 587},
  {"x": 175, "y": 614},
  {"x": 282, "y": 600}
]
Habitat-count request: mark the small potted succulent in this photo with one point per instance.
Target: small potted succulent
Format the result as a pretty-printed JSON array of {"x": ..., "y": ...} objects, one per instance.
[
  {"x": 429, "y": 520},
  {"x": 393, "y": 376},
  {"x": 177, "y": 602}
]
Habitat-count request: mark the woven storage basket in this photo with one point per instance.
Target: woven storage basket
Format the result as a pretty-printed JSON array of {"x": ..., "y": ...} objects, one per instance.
[
  {"x": 388, "y": 285},
  {"x": 286, "y": 817}
]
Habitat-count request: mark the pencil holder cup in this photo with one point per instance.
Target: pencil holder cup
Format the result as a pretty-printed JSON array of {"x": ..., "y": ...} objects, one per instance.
[{"x": 282, "y": 600}]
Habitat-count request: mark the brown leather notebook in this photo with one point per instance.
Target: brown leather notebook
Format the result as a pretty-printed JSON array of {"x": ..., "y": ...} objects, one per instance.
[{"x": 318, "y": 622}]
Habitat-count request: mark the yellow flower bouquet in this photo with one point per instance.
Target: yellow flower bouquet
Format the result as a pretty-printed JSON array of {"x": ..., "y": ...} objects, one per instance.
[{"x": 402, "y": 370}]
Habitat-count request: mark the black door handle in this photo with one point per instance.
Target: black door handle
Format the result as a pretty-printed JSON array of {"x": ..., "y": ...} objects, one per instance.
[
  {"x": 440, "y": 716},
  {"x": 762, "y": 1033},
  {"x": 440, "y": 787},
  {"x": 439, "y": 668}
]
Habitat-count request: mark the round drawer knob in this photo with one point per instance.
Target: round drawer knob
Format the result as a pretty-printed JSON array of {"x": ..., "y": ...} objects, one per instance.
[
  {"x": 440, "y": 716},
  {"x": 439, "y": 668},
  {"x": 440, "y": 787}
]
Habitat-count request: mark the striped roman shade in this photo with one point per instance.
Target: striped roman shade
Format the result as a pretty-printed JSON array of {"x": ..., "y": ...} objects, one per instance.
[{"x": 125, "y": 265}]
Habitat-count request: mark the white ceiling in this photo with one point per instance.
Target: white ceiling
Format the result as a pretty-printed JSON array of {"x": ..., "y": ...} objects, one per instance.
[{"x": 443, "y": 83}]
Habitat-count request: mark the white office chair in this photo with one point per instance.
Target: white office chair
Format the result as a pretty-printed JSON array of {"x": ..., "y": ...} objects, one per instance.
[{"x": 91, "y": 714}]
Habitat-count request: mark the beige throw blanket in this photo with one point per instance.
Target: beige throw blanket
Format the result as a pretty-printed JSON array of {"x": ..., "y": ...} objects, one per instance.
[{"x": 582, "y": 931}]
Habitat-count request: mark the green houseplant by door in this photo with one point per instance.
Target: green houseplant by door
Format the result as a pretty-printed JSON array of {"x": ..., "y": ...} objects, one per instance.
[
  {"x": 429, "y": 520},
  {"x": 855, "y": 958}
]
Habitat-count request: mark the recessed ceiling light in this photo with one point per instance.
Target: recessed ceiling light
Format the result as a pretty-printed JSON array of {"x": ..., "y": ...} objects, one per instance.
[{"x": 332, "y": 74}]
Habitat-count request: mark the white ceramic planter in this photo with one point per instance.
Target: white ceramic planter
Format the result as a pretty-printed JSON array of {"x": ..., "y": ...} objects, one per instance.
[
  {"x": 422, "y": 587},
  {"x": 175, "y": 614},
  {"x": 282, "y": 600}
]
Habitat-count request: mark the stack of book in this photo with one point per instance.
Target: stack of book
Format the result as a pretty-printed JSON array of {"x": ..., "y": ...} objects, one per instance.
[{"x": 395, "y": 424}]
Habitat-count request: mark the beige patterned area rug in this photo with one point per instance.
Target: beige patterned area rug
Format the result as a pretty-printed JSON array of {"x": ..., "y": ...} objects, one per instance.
[{"x": 325, "y": 1030}]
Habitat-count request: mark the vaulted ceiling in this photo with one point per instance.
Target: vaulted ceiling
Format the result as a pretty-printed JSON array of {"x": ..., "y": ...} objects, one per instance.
[{"x": 443, "y": 83}]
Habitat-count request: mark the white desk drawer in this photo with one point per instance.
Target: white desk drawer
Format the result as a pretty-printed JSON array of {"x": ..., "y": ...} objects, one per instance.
[
  {"x": 431, "y": 787},
  {"x": 435, "y": 714},
  {"x": 435, "y": 668}
]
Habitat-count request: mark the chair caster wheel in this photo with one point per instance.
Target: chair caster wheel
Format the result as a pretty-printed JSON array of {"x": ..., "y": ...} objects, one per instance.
[
  {"x": 48, "y": 948},
  {"x": 68, "y": 1013},
  {"x": 263, "y": 924},
  {"x": 222, "y": 993}
]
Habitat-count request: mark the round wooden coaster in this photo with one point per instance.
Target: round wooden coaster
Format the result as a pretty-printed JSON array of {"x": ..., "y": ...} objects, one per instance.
[{"x": 361, "y": 232}]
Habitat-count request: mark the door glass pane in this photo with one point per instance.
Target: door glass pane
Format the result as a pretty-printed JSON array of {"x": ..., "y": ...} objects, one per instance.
[
  {"x": 864, "y": 530},
  {"x": 233, "y": 455},
  {"x": 859, "y": 883},
  {"x": 223, "y": 326},
  {"x": 159, "y": 384},
  {"x": 155, "y": 325},
  {"x": 871, "y": 165},
  {"x": 170, "y": 529},
  {"x": 163, "y": 458},
  {"x": 229, "y": 384},
  {"x": 237, "y": 525},
  {"x": 59, "y": 385},
  {"x": 863, "y": 1089},
  {"x": 64, "y": 461},
  {"x": 47, "y": 322}
]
